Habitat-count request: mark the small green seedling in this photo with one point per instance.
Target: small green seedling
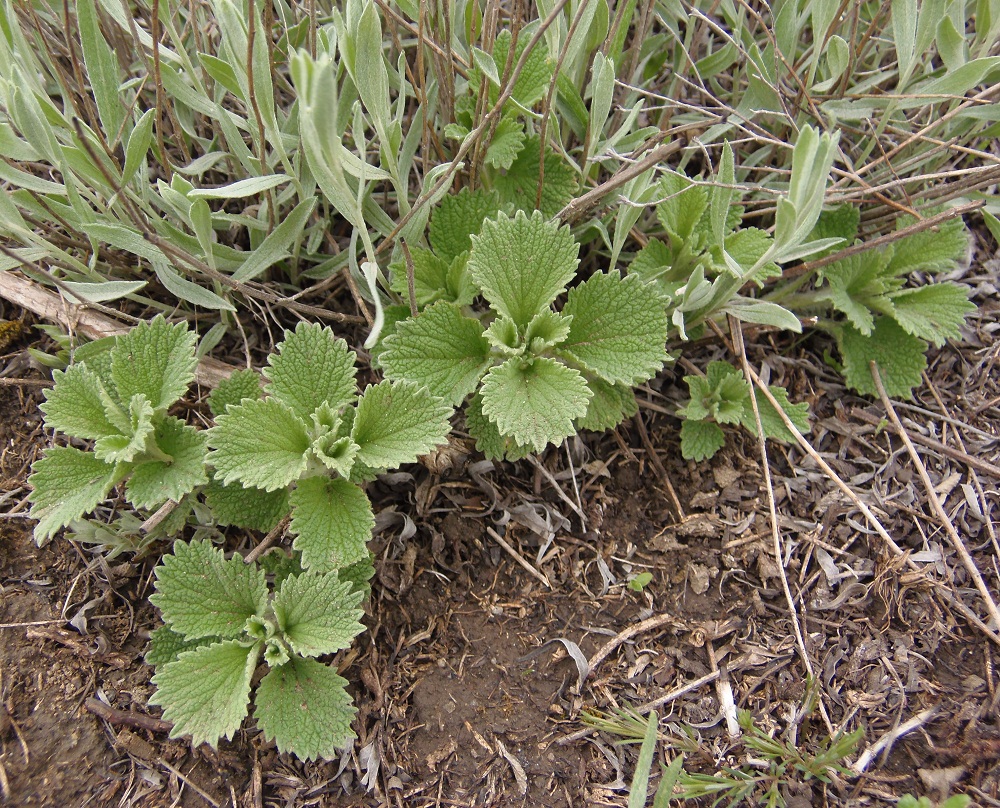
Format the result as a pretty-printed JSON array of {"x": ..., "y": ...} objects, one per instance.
[
  {"x": 119, "y": 399},
  {"x": 722, "y": 396},
  {"x": 221, "y": 619},
  {"x": 538, "y": 374},
  {"x": 640, "y": 581}
]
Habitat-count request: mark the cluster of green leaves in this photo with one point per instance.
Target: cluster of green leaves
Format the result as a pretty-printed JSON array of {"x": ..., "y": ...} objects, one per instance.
[
  {"x": 305, "y": 446},
  {"x": 118, "y": 398},
  {"x": 298, "y": 446},
  {"x": 220, "y": 619},
  {"x": 722, "y": 396},
  {"x": 878, "y": 316},
  {"x": 954, "y": 801},
  {"x": 538, "y": 374}
]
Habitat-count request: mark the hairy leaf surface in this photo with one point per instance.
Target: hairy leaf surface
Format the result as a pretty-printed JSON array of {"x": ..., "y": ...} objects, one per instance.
[
  {"x": 67, "y": 483},
  {"x": 310, "y": 367},
  {"x": 318, "y": 613},
  {"x": 332, "y": 520},
  {"x": 154, "y": 359},
  {"x": 155, "y": 481},
  {"x": 396, "y": 421}
]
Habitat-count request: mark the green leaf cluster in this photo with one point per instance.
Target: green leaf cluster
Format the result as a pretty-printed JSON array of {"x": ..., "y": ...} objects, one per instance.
[
  {"x": 538, "y": 373},
  {"x": 119, "y": 399},
  {"x": 882, "y": 319},
  {"x": 308, "y": 443},
  {"x": 722, "y": 396},
  {"x": 220, "y": 621}
]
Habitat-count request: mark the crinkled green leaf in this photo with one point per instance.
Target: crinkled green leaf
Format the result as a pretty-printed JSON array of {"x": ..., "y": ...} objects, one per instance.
[
  {"x": 67, "y": 483},
  {"x": 774, "y": 427},
  {"x": 154, "y": 481},
  {"x": 304, "y": 708},
  {"x": 312, "y": 366},
  {"x": 430, "y": 278},
  {"x": 165, "y": 645},
  {"x": 721, "y": 394},
  {"x": 856, "y": 284},
  {"x": 700, "y": 440},
  {"x": 458, "y": 217},
  {"x": 74, "y": 405},
  {"x": 610, "y": 405},
  {"x": 124, "y": 448},
  {"x": 619, "y": 328},
  {"x": 934, "y": 312},
  {"x": 546, "y": 330},
  {"x": 205, "y": 692},
  {"x": 489, "y": 441},
  {"x": 154, "y": 359},
  {"x": 535, "y": 402},
  {"x": 508, "y": 140},
  {"x": 652, "y": 260},
  {"x": 503, "y": 335},
  {"x": 337, "y": 454},
  {"x": 440, "y": 348},
  {"x": 259, "y": 443},
  {"x": 359, "y": 575},
  {"x": 241, "y": 384},
  {"x": 332, "y": 520},
  {"x": 839, "y": 222},
  {"x": 202, "y": 594},
  {"x": 746, "y": 246},
  {"x": 251, "y": 508},
  {"x": 519, "y": 185},
  {"x": 933, "y": 250},
  {"x": 900, "y": 358},
  {"x": 534, "y": 78},
  {"x": 682, "y": 207},
  {"x": 522, "y": 264},
  {"x": 318, "y": 614},
  {"x": 396, "y": 421}
]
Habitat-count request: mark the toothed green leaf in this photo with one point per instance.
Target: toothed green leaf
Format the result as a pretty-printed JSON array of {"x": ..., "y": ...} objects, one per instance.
[
  {"x": 535, "y": 403},
  {"x": 610, "y": 405},
  {"x": 241, "y": 384},
  {"x": 440, "y": 348},
  {"x": 332, "y": 520},
  {"x": 155, "y": 481},
  {"x": 123, "y": 448},
  {"x": 396, "y": 421},
  {"x": 74, "y": 404},
  {"x": 318, "y": 614},
  {"x": 547, "y": 329},
  {"x": 458, "y": 217},
  {"x": 700, "y": 440},
  {"x": 900, "y": 358},
  {"x": 154, "y": 359},
  {"x": 251, "y": 508},
  {"x": 519, "y": 185},
  {"x": 304, "y": 708},
  {"x": 934, "y": 250},
  {"x": 508, "y": 140},
  {"x": 534, "y": 78},
  {"x": 839, "y": 222},
  {"x": 259, "y": 443},
  {"x": 619, "y": 328},
  {"x": 857, "y": 283},
  {"x": 165, "y": 645},
  {"x": 202, "y": 594},
  {"x": 310, "y": 367},
  {"x": 774, "y": 427},
  {"x": 67, "y": 483},
  {"x": 934, "y": 312},
  {"x": 682, "y": 207},
  {"x": 651, "y": 261},
  {"x": 205, "y": 692},
  {"x": 746, "y": 246},
  {"x": 522, "y": 264},
  {"x": 430, "y": 277},
  {"x": 359, "y": 576}
]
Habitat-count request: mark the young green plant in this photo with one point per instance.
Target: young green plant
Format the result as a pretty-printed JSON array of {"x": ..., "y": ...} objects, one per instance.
[{"x": 538, "y": 374}]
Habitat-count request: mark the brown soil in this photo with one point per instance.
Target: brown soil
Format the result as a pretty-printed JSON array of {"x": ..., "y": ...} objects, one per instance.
[{"x": 466, "y": 683}]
